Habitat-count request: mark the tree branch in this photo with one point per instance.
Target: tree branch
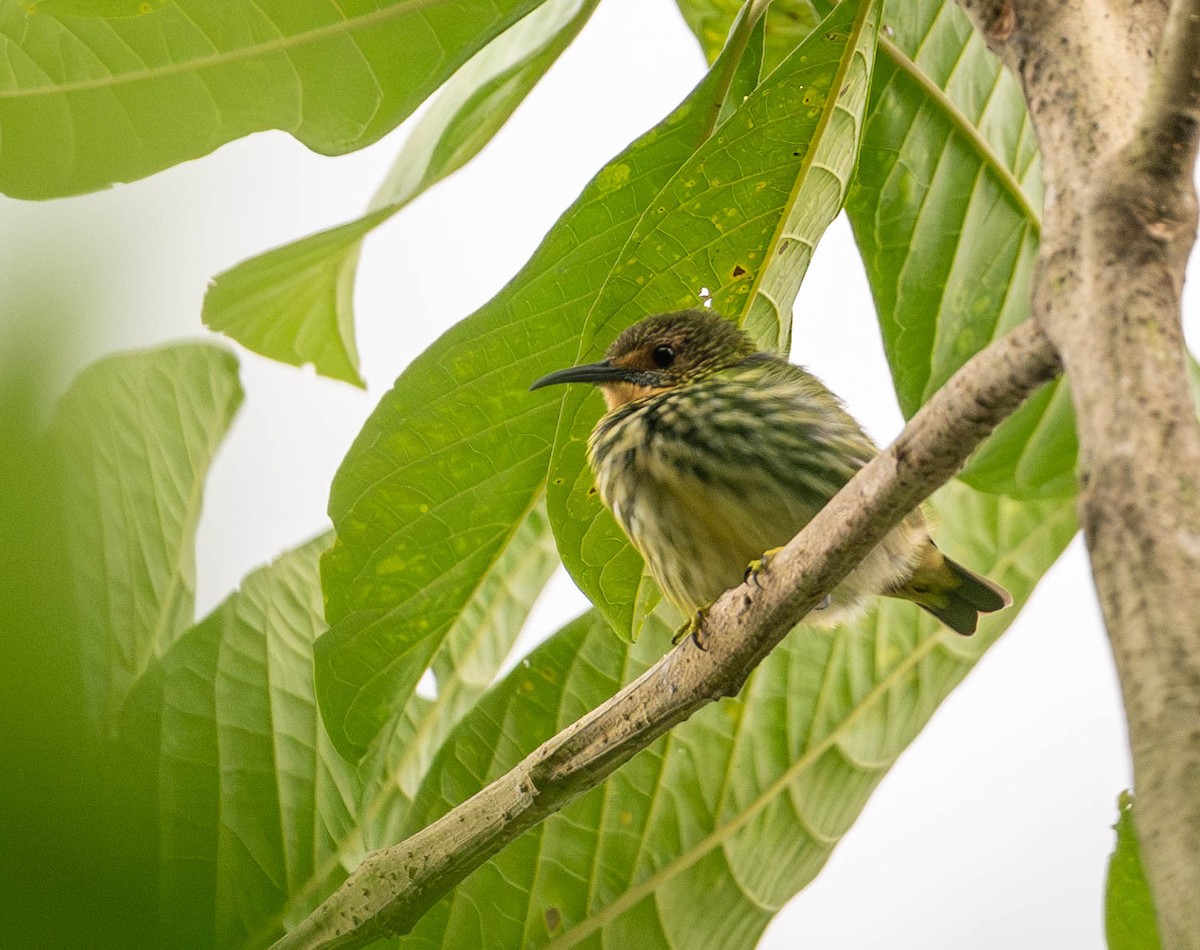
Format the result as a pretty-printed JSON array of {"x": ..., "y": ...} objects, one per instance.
[
  {"x": 1167, "y": 134},
  {"x": 1118, "y": 131},
  {"x": 393, "y": 888}
]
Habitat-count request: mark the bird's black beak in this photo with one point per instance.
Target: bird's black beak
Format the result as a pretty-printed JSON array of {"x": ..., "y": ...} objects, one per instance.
[{"x": 602, "y": 372}]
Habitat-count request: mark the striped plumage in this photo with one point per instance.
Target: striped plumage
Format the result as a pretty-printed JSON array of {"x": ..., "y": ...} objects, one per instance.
[{"x": 712, "y": 453}]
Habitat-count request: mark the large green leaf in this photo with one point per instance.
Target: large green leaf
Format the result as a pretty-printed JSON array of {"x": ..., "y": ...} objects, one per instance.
[
  {"x": 449, "y": 466},
  {"x": 85, "y": 102},
  {"x": 260, "y": 816},
  {"x": 295, "y": 303},
  {"x": 742, "y": 804},
  {"x": 740, "y": 220},
  {"x": 254, "y": 796},
  {"x": 463, "y": 668},
  {"x": 945, "y": 210},
  {"x": 94, "y": 8},
  {"x": 238, "y": 811},
  {"x": 1129, "y": 918},
  {"x": 366, "y": 806},
  {"x": 219, "y": 743},
  {"x": 136, "y": 433}
]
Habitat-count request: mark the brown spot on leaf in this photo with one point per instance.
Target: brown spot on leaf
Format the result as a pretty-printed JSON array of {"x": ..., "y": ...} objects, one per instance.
[
  {"x": 553, "y": 919},
  {"x": 738, "y": 270}
]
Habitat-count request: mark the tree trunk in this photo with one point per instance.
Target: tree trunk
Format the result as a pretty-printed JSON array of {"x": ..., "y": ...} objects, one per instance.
[{"x": 1112, "y": 87}]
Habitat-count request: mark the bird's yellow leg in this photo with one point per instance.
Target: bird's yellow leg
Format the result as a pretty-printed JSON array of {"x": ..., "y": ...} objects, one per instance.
[
  {"x": 759, "y": 565},
  {"x": 691, "y": 628}
]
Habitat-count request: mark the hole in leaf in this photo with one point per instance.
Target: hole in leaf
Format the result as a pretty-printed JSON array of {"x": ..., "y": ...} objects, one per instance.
[{"x": 427, "y": 685}]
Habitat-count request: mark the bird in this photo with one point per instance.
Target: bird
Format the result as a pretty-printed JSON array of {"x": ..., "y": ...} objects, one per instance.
[{"x": 714, "y": 454}]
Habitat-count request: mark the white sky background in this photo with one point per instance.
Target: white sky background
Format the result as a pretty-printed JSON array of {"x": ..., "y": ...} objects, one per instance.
[{"x": 992, "y": 831}]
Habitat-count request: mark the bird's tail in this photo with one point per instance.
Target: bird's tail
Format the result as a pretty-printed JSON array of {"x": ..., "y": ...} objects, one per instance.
[{"x": 951, "y": 592}]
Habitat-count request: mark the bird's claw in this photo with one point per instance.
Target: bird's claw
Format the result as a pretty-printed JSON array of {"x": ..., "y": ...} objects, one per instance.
[
  {"x": 692, "y": 628},
  {"x": 759, "y": 566}
]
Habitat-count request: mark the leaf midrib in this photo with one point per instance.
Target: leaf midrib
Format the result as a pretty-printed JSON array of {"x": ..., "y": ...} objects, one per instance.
[
  {"x": 279, "y": 44},
  {"x": 806, "y": 164}
]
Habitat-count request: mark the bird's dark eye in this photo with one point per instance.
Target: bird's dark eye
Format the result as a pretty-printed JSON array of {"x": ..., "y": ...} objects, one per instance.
[{"x": 663, "y": 355}]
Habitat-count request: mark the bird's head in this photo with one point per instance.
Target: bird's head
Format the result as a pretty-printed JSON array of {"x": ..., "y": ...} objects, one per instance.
[{"x": 660, "y": 353}]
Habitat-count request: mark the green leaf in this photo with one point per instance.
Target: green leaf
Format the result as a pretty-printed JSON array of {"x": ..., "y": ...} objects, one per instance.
[
  {"x": 261, "y": 818},
  {"x": 478, "y": 99},
  {"x": 1129, "y": 919},
  {"x": 94, "y": 8},
  {"x": 1032, "y": 453},
  {"x": 389, "y": 774},
  {"x": 254, "y": 796},
  {"x": 743, "y": 803},
  {"x": 788, "y": 22},
  {"x": 85, "y": 102},
  {"x": 945, "y": 212},
  {"x": 463, "y": 668},
  {"x": 971, "y": 195},
  {"x": 295, "y": 303},
  {"x": 749, "y": 70},
  {"x": 421, "y": 520},
  {"x": 739, "y": 220},
  {"x": 136, "y": 433}
]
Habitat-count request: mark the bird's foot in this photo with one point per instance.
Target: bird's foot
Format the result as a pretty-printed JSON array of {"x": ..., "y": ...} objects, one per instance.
[
  {"x": 692, "y": 628},
  {"x": 759, "y": 566}
]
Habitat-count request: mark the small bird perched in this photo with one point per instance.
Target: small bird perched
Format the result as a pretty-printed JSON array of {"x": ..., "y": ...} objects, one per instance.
[{"x": 713, "y": 454}]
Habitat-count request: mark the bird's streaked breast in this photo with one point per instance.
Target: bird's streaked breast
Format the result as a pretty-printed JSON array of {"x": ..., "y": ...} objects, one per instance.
[{"x": 706, "y": 477}]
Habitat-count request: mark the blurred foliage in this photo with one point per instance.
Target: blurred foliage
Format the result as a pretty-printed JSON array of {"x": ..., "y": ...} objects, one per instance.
[
  {"x": 73, "y": 863},
  {"x": 207, "y": 782}
]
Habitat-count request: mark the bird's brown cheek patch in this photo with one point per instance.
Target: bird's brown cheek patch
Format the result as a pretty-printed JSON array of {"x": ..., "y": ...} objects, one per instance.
[{"x": 618, "y": 394}]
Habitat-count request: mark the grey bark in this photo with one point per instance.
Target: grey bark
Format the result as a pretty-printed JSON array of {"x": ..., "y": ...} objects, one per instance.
[
  {"x": 1113, "y": 88},
  {"x": 393, "y": 888}
]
